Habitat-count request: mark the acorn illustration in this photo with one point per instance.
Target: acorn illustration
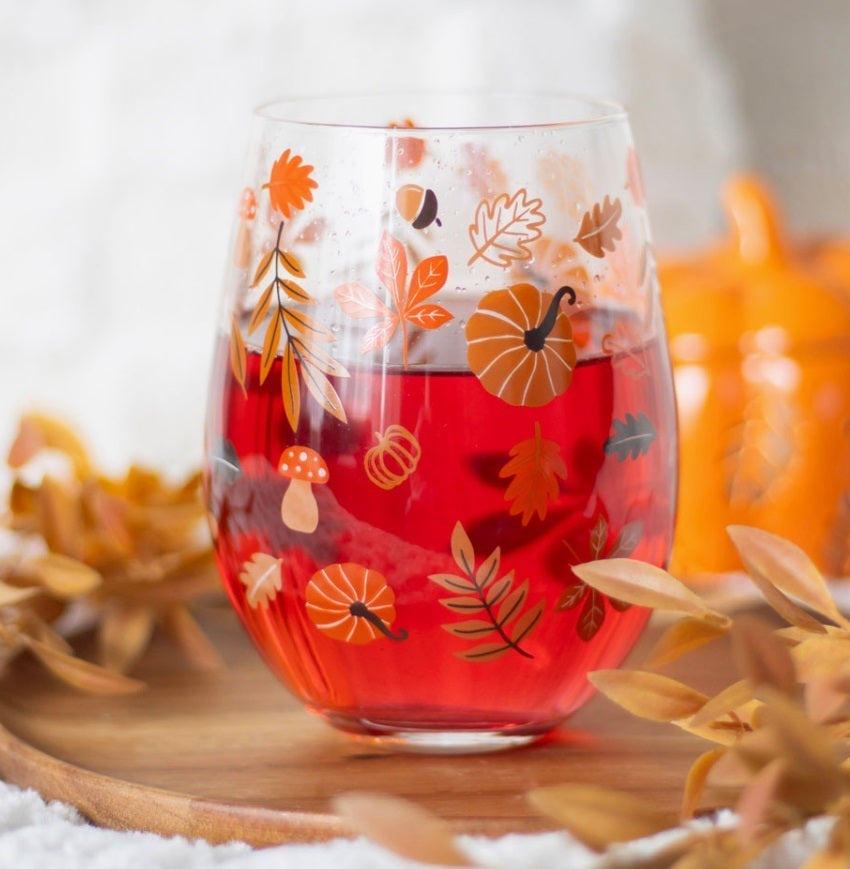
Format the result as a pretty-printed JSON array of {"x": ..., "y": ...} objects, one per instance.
[{"x": 417, "y": 205}]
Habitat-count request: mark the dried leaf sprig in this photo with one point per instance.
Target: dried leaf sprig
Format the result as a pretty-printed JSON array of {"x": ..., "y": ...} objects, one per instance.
[
  {"x": 781, "y": 732},
  {"x": 132, "y": 549}
]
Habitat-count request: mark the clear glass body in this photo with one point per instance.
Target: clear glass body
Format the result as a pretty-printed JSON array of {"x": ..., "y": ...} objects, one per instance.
[{"x": 441, "y": 381}]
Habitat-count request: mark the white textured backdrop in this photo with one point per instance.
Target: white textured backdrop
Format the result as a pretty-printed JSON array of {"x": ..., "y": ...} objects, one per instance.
[{"x": 122, "y": 129}]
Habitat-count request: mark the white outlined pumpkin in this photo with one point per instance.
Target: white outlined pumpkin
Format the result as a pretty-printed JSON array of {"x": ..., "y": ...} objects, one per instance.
[{"x": 393, "y": 458}]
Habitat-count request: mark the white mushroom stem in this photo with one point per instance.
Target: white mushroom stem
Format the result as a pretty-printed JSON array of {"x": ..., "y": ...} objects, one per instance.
[{"x": 299, "y": 509}]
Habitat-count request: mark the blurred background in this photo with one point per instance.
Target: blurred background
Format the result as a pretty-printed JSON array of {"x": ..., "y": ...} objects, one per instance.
[{"x": 122, "y": 130}]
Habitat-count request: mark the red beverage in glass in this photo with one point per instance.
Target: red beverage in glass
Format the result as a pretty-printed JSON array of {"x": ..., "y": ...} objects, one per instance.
[
  {"x": 419, "y": 672},
  {"x": 444, "y": 382}
]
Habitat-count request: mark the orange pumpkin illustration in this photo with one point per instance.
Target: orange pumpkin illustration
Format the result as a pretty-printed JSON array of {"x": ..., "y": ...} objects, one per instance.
[
  {"x": 351, "y": 603},
  {"x": 520, "y": 344},
  {"x": 393, "y": 459}
]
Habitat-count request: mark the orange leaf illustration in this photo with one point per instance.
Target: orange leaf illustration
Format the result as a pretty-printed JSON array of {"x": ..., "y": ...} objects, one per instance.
[
  {"x": 238, "y": 354},
  {"x": 290, "y": 185},
  {"x": 380, "y": 334},
  {"x": 359, "y": 301},
  {"x": 428, "y": 316},
  {"x": 270, "y": 342},
  {"x": 262, "y": 579},
  {"x": 599, "y": 231},
  {"x": 321, "y": 389},
  {"x": 392, "y": 268},
  {"x": 428, "y": 278},
  {"x": 290, "y": 390},
  {"x": 535, "y": 466},
  {"x": 261, "y": 309},
  {"x": 505, "y": 227}
]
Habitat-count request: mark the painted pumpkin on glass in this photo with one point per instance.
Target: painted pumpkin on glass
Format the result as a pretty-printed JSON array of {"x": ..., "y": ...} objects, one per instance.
[
  {"x": 394, "y": 458},
  {"x": 759, "y": 331},
  {"x": 352, "y": 603},
  {"x": 520, "y": 344}
]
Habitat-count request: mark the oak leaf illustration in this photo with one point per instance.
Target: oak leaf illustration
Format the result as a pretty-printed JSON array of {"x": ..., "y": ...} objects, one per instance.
[
  {"x": 535, "y": 466},
  {"x": 599, "y": 230},
  {"x": 409, "y": 302},
  {"x": 632, "y": 437},
  {"x": 261, "y": 576},
  {"x": 505, "y": 227},
  {"x": 290, "y": 185}
]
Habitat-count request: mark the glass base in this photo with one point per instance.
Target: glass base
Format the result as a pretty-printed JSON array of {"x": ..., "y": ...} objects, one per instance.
[{"x": 436, "y": 739}]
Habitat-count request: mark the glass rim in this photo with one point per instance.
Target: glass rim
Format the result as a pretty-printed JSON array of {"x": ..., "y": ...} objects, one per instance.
[{"x": 599, "y": 111}]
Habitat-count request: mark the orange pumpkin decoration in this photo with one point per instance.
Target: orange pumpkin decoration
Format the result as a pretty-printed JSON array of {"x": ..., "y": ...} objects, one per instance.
[
  {"x": 520, "y": 344},
  {"x": 352, "y": 603},
  {"x": 393, "y": 459},
  {"x": 759, "y": 334}
]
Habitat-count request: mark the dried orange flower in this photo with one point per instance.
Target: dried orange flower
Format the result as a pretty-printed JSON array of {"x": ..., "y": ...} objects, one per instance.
[{"x": 133, "y": 551}]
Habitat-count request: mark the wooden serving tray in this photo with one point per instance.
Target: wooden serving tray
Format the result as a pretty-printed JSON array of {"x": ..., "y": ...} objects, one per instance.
[{"x": 230, "y": 755}]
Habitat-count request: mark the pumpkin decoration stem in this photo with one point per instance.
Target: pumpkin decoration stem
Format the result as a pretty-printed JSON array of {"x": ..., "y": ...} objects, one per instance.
[
  {"x": 360, "y": 610},
  {"x": 753, "y": 217},
  {"x": 535, "y": 339}
]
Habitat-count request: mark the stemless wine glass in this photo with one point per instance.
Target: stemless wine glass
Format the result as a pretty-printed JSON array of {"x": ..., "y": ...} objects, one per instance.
[{"x": 441, "y": 381}]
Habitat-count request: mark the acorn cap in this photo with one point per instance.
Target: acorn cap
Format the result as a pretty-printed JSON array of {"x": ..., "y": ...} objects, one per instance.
[{"x": 302, "y": 463}]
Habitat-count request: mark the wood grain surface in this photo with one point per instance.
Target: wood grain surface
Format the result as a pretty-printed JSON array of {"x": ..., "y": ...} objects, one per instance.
[{"x": 230, "y": 755}]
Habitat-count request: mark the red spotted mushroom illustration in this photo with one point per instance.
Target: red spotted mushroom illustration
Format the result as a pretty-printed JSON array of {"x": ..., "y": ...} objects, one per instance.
[
  {"x": 305, "y": 468},
  {"x": 352, "y": 603}
]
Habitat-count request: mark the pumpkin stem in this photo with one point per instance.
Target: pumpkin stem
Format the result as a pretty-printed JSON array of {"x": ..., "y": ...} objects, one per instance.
[
  {"x": 360, "y": 610},
  {"x": 535, "y": 338},
  {"x": 754, "y": 220}
]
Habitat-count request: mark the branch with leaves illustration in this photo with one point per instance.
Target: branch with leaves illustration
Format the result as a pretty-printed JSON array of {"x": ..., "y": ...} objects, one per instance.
[
  {"x": 280, "y": 304},
  {"x": 493, "y": 601}
]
